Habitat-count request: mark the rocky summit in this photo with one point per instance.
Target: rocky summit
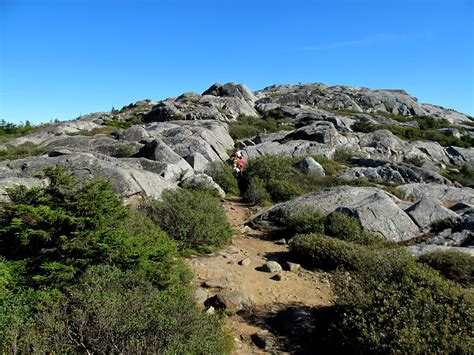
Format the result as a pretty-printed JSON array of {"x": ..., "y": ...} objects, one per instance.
[{"x": 418, "y": 158}]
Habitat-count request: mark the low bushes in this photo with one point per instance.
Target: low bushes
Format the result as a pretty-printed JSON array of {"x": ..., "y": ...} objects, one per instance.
[
  {"x": 387, "y": 302},
  {"x": 194, "y": 219},
  {"x": 81, "y": 273},
  {"x": 222, "y": 174},
  {"x": 344, "y": 227},
  {"x": 322, "y": 252},
  {"x": 424, "y": 132},
  {"x": 9, "y": 131},
  {"x": 21, "y": 151},
  {"x": 283, "y": 190},
  {"x": 453, "y": 265},
  {"x": 108, "y": 311},
  {"x": 125, "y": 151},
  {"x": 248, "y": 126},
  {"x": 118, "y": 123},
  {"x": 281, "y": 181},
  {"x": 397, "y": 305},
  {"x": 255, "y": 191},
  {"x": 305, "y": 220},
  {"x": 364, "y": 126},
  {"x": 465, "y": 175}
]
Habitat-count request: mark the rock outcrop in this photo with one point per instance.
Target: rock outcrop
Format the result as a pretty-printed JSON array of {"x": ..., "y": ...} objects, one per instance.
[
  {"x": 170, "y": 143},
  {"x": 138, "y": 161}
]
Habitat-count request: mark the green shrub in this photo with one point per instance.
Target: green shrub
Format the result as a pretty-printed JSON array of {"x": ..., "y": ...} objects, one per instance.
[
  {"x": 222, "y": 174},
  {"x": 255, "y": 191},
  {"x": 21, "y": 151},
  {"x": 193, "y": 218},
  {"x": 249, "y": 126},
  {"x": 322, "y": 252},
  {"x": 108, "y": 311},
  {"x": 396, "y": 305},
  {"x": 415, "y": 134},
  {"x": 93, "y": 132},
  {"x": 344, "y": 227},
  {"x": 386, "y": 302},
  {"x": 60, "y": 230},
  {"x": 396, "y": 192},
  {"x": 331, "y": 167},
  {"x": 306, "y": 219},
  {"x": 453, "y": 265},
  {"x": 428, "y": 122},
  {"x": 115, "y": 311},
  {"x": 282, "y": 190},
  {"x": 426, "y": 130},
  {"x": 465, "y": 175},
  {"x": 80, "y": 272},
  {"x": 278, "y": 177},
  {"x": 424, "y": 122},
  {"x": 60, "y": 219},
  {"x": 9, "y": 131},
  {"x": 116, "y": 123},
  {"x": 363, "y": 126},
  {"x": 125, "y": 151},
  {"x": 272, "y": 168}
]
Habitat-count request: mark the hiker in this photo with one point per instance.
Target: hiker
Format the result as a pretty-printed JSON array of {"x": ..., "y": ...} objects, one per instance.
[
  {"x": 238, "y": 153},
  {"x": 235, "y": 163},
  {"x": 240, "y": 164}
]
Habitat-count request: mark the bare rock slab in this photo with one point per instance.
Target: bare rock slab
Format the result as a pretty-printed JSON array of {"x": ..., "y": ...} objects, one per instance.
[
  {"x": 429, "y": 210},
  {"x": 378, "y": 213}
]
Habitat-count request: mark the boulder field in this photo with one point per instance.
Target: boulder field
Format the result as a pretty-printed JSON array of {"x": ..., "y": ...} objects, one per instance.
[{"x": 172, "y": 142}]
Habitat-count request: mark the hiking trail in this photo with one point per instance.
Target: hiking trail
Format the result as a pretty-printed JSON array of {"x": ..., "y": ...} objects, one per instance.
[{"x": 250, "y": 288}]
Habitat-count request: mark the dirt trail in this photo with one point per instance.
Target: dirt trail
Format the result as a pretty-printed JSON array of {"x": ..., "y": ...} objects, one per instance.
[{"x": 260, "y": 295}]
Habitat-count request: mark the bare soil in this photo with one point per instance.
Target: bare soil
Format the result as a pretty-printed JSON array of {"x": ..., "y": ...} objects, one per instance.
[{"x": 222, "y": 271}]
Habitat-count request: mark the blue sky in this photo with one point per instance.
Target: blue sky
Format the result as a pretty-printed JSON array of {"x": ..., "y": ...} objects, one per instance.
[{"x": 63, "y": 58}]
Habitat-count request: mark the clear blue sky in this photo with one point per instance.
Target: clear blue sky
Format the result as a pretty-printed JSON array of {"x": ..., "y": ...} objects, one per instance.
[{"x": 60, "y": 59}]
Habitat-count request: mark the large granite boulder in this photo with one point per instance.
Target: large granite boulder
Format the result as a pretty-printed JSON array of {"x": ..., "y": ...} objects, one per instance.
[
  {"x": 220, "y": 102},
  {"x": 376, "y": 210},
  {"x": 197, "y": 162},
  {"x": 240, "y": 91},
  {"x": 386, "y": 172},
  {"x": 326, "y": 201},
  {"x": 355, "y": 99},
  {"x": 210, "y": 138},
  {"x": 309, "y": 165},
  {"x": 380, "y": 214},
  {"x": 126, "y": 179},
  {"x": 102, "y": 144},
  {"x": 428, "y": 211}
]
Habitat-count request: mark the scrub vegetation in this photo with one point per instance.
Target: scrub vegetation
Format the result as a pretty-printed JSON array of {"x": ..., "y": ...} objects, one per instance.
[{"x": 80, "y": 272}]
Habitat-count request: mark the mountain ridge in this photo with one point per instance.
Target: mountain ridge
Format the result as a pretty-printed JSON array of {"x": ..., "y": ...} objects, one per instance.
[{"x": 388, "y": 138}]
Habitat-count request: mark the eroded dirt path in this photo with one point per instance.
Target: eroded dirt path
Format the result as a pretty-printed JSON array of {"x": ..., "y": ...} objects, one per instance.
[{"x": 251, "y": 294}]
